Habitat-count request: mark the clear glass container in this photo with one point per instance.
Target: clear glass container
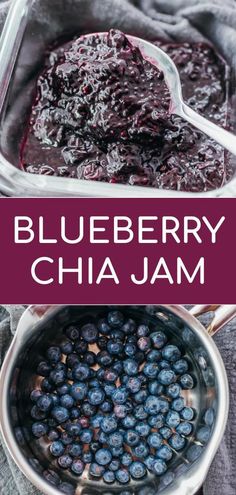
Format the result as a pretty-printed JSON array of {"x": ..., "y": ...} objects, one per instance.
[{"x": 30, "y": 28}]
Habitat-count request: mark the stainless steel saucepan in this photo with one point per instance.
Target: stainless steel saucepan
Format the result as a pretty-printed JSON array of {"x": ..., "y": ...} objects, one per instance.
[{"x": 41, "y": 325}]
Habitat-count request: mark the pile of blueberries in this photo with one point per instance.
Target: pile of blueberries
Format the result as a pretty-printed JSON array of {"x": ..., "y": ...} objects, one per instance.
[{"x": 109, "y": 400}]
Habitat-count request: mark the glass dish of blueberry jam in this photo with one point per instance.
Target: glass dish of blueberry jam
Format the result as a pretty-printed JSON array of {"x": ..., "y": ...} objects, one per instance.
[{"x": 89, "y": 116}]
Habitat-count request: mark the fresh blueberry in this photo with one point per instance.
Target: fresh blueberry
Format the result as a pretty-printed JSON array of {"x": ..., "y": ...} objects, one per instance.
[
  {"x": 100, "y": 375},
  {"x": 156, "y": 421},
  {"x": 117, "y": 335},
  {"x": 164, "y": 405},
  {"x": 141, "y": 450},
  {"x": 118, "y": 366},
  {"x": 102, "y": 342},
  {"x": 140, "y": 396},
  {"x": 65, "y": 461},
  {"x": 120, "y": 395},
  {"x": 110, "y": 375},
  {"x": 187, "y": 413},
  {"x": 129, "y": 327},
  {"x": 158, "y": 339},
  {"x": 37, "y": 414},
  {"x": 66, "y": 439},
  {"x": 122, "y": 476},
  {"x": 143, "y": 331},
  {"x": 180, "y": 366},
  {"x": 151, "y": 370},
  {"x": 81, "y": 372},
  {"x": 72, "y": 332},
  {"x": 114, "y": 347},
  {"x": 109, "y": 424},
  {"x": 66, "y": 347},
  {"x": 114, "y": 465},
  {"x": 86, "y": 435},
  {"x": 72, "y": 359},
  {"x": 54, "y": 354},
  {"x": 63, "y": 389},
  {"x": 153, "y": 356},
  {"x": 57, "y": 377},
  {"x": 53, "y": 435},
  {"x": 67, "y": 401},
  {"x": 144, "y": 343},
  {"x": 129, "y": 421},
  {"x": 173, "y": 391},
  {"x": 203, "y": 434},
  {"x": 186, "y": 381},
  {"x": 166, "y": 377},
  {"x": 130, "y": 349},
  {"x": 74, "y": 413},
  {"x": 106, "y": 406},
  {"x": 95, "y": 470},
  {"x": 35, "y": 394},
  {"x": 96, "y": 396},
  {"x": 164, "y": 365},
  {"x": 140, "y": 413},
  {"x": 77, "y": 467},
  {"x": 101, "y": 436},
  {"x": 137, "y": 470},
  {"x": 89, "y": 358},
  {"x": 132, "y": 438},
  {"x": 109, "y": 477},
  {"x": 39, "y": 429},
  {"x": 171, "y": 353},
  {"x": 142, "y": 428},
  {"x": 155, "y": 388},
  {"x": 88, "y": 409},
  {"x": 103, "y": 327},
  {"x": 57, "y": 448},
  {"x": 79, "y": 391},
  {"x": 60, "y": 414},
  {"x": 149, "y": 461},
  {"x": 94, "y": 446},
  {"x": 177, "y": 442},
  {"x": 104, "y": 358},
  {"x": 155, "y": 440},
  {"x": 165, "y": 453},
  {"x": 165, "y": 432},
  {"x": 115, "y": 439},
  {"x": 81, "y": 347},
  {"x": 115, "y": 319},
  {"x": 87, "y": 457},
  {"x": 73, "y": 429},
  {"x": 184, "y": 428},
  {"x": 172, "y": 419},
  {"x": 126, "y": 459},
  {"x": 152, "y": 405},
  {"x": 89, "y": 333},
  {"x": 103, "y": 457},
  {"x": 134, "y": 384},
  {"x": 178, "y": 404},
  {"x": 74, "y": 449},
  {"x": 130, "y": 367},
  {"x": 109, "y": 389},
  {"x": 120, "y": 410},
  {"x": 159, "y": 467}
]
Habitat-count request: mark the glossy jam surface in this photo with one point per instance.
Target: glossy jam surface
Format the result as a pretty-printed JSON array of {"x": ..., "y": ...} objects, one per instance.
[{"x": 102, "y": 113}]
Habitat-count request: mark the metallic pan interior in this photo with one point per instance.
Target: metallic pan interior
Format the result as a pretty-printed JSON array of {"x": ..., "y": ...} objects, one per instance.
[
  {"x": 27, "y": 33},
  {"x": 35, "y": 330}
]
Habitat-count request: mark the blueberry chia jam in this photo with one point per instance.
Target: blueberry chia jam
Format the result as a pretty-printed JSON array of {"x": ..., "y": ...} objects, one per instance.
[
  {"x": 101, "y": 113},
  {"x": 111, "y": 405}
]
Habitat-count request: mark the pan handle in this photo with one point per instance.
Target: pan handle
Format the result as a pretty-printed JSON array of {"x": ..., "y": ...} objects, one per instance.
[{"x": 223, "y": 313}]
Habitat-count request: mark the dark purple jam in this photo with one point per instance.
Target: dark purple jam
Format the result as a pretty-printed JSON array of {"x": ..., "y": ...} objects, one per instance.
[{"x": 102, "y": 113}]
